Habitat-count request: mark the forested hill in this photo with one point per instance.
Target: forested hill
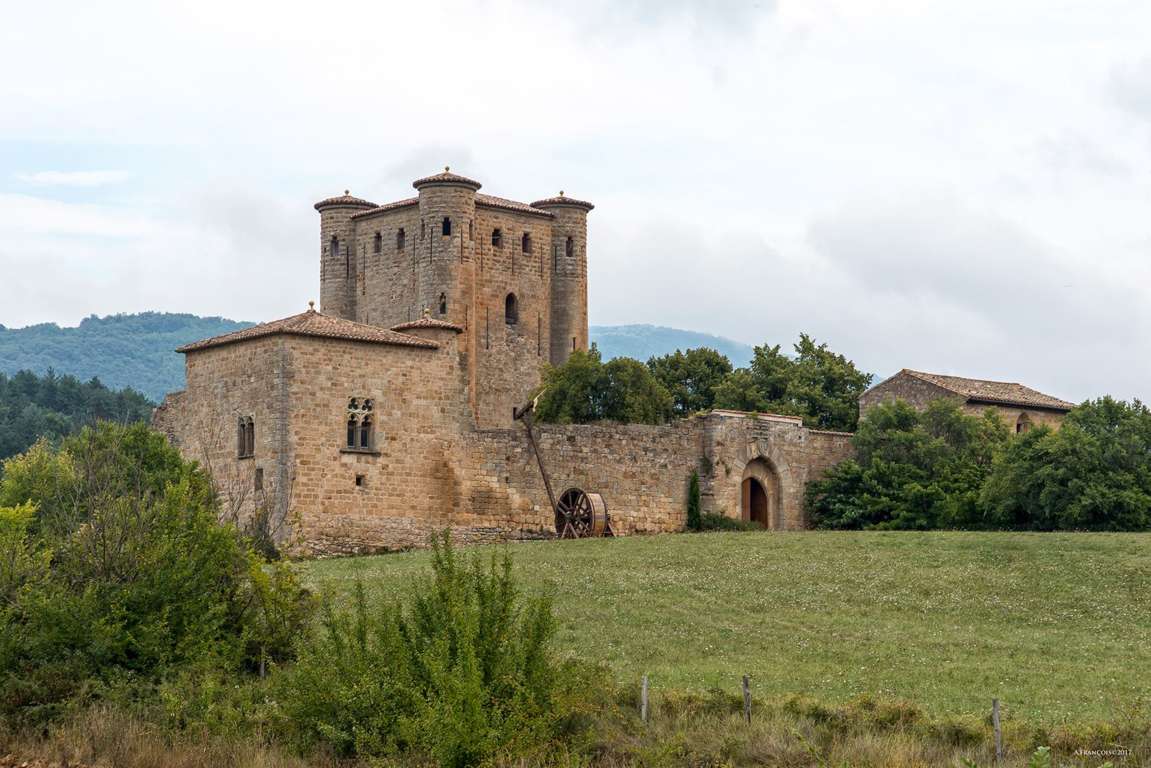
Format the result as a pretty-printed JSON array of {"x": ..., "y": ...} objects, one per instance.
[
  {"x": 135, "y": 351},
  {"x": 53, "y": 406},
  {"x": 138, "y": 350}
]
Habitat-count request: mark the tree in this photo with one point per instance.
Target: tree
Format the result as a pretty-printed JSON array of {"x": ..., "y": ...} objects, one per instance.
[
  {"x": 691, "y": 377},
  {"x": 1094, "y": 473},
  {"x": 585, "y": 390},
  {"x": 912, "y": 470},
  {"x": 51, "y": 406},
  {"x": 817, "y": 384}
]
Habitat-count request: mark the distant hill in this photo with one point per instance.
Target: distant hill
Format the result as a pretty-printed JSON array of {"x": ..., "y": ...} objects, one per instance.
[
  {"x": 135, "y": 351},
  {"x": 644, "y": 341},
  {"x": 138, "y": 350}
]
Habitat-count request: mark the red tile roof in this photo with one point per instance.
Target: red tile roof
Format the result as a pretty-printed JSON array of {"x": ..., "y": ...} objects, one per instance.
[
  {"x": 561, "y": 201},
  {"x": 996, "y": 392},
  {"x": 387, "y": 207},
  {"x": 317, "y": 325},
  {"x": 448, "y": 178},
  {"x": 345, "y": 200},
  {"x": 428, "y": 322},
  {"x": 509, "y": 205}
]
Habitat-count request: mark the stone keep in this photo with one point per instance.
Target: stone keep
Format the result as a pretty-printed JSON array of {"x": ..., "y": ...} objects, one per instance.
[{"x": 387, "y": 415}]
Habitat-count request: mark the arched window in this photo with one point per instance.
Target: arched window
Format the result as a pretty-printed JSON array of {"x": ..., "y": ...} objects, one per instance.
[
  {"x": 443, "y": 304},
  {"x": 352, "y": 428},
  {"x": 497, "y": 238},
  {"x": 366, "y": 432},
  {"x": 511, "y": 309},
  {"x": 334, "y": 246},
  {"x": 569, "y": 248},
  {"x": 526, "y": 243},
  {"x": 245, "y": 437},
  {"x": 378, "y": 243},
  {"x": 1022, "y": 424},
  {"x": 446, "y": 227},
  {"x": 400, "y": 239}
]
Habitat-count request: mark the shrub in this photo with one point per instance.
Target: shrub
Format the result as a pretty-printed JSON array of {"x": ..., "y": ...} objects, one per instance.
[
  {"x": 1094, "y": 473},
  {"x": 460, "y": 673},
  {"x": 135, "y": 578},
  {"x": 913, "y": 470},
  {"x": 711, "y": 521},
  {"x": 694, "y": 523}
]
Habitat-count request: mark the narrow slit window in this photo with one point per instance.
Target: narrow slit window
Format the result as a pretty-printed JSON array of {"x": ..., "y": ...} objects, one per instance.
[
  {"x": 259, "y": 480},
  {"x": 526, "y": 243},
  {"x": 443, "y": 304},
  {"x": 378, "y": 243},
  {"x": 352, "y": 426},
  {"x": 400, "y": 239},
  {"x": 446, "y": 227},
  {"x": 511, "y": 310},
  {"x": 569, "y": 248},
  {"x": 497, "y": 238},
  {"x": 250, "y": 443}
]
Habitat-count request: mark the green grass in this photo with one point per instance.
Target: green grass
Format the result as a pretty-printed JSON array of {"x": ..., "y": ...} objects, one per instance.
[{"x": 1057, "y": 626}]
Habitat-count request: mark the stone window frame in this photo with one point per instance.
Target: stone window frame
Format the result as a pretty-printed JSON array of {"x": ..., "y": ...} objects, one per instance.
[
  {"x": 246, "y": 437},
  {"x": 400, "y": 239},
  {"x": 446, "y": 227},
  {"x": 443, "y": 305},
  {"x": 526, "y": 242},
  {"x": 360, "y": 423},
  {"x": 497, "y": 238},
  {"x": 569, "y": 247},
  {"x": 378, "y": 243}
]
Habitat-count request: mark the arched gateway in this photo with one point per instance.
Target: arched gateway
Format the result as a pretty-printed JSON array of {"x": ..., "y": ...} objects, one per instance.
[{"x": 759, "y": 494}]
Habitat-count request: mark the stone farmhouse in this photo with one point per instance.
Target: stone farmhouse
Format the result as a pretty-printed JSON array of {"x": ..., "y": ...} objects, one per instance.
[
  {"x": 388, "y": 414},
  {"x": 1020, "y": 407}
]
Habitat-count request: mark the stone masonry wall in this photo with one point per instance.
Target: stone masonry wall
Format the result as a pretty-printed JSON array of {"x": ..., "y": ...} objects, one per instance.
[{"x": 225, "y": 384}]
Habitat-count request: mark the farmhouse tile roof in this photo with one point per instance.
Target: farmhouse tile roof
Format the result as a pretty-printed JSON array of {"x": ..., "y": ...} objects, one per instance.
[
  {"x": 345, "y": 200},
  {"x": 448, "y": 178},
  {"x": 317, "y": 325},
  {"x": 428, "y": 322},
  {"x": 997, "y": 392}
]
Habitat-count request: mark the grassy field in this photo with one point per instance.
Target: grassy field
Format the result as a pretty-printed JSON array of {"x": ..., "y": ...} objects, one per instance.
[{"x": 1055, "y": 625}]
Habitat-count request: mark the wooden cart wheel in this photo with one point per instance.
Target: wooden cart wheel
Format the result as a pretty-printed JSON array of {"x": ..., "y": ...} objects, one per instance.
[{"x": 580, "y": 514}]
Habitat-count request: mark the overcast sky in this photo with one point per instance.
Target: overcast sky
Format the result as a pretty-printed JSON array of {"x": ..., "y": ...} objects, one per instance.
[{"x": 959, "y": 187}]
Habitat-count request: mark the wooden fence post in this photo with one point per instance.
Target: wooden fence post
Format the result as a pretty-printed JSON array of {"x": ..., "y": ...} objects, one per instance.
[
  {"x": 747, "y": 699},
  {"x": 643, "y": 700},
  {"x": 998, "y": 731}
]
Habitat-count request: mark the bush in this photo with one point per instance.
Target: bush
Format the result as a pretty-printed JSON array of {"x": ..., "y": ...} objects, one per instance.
[
  {"x": 1094, "y": 473},
  {"x": 712, "y": 521},
  {"x": 694, "y": 523},
  {"x": 123, "y": 575},
  {"x": 913, "y": 470},
  {"x": 461, "y": 673}
]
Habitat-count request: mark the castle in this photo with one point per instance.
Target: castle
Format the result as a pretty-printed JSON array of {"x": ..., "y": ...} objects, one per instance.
[{"x": 388, "y": 414}]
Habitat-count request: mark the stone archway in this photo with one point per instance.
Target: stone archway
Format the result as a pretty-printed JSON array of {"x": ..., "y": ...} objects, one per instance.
[{"x": 759, "y": 494}]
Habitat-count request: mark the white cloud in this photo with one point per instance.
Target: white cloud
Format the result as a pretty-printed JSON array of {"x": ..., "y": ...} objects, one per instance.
[
  {"x": 942, "y": 185},
  {"x": 73, "y": 178}
]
